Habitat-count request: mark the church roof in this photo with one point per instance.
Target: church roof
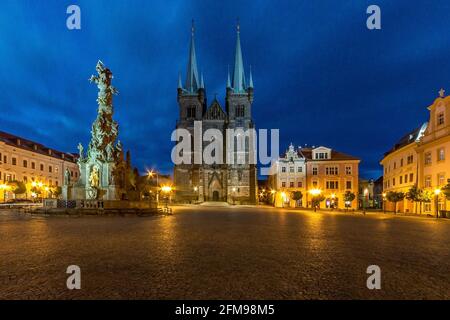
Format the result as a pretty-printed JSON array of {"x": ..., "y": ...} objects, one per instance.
[{"x": 25, "y": 144}]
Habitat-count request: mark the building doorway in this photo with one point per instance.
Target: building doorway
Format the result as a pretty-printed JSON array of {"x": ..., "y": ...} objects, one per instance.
[{"x": 215, "y": 195}]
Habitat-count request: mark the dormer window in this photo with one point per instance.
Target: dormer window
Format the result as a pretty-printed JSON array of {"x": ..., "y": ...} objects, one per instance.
[{"x": 440, "y": 119}]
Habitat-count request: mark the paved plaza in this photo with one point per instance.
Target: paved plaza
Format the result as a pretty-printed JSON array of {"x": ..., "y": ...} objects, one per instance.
[{"x": 203, "y": 252}]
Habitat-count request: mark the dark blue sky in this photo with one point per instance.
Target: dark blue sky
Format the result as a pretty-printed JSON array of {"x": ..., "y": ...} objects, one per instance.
[{"x": 320, "y": 75}]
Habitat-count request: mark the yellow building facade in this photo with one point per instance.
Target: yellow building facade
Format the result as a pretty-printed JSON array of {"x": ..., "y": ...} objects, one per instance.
[
  {"x": 421, "y": 158},
  {"x": 41, "y": 169}
]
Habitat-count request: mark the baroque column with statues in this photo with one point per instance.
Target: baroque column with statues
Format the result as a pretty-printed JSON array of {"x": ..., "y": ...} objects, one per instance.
[{"x": 105, "y": 174}]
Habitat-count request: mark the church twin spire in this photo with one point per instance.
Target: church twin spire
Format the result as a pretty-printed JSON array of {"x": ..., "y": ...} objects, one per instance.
[{"x": 193, "y": 82}]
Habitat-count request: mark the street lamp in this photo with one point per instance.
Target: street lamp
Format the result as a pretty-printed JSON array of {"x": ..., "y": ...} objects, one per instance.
[
  {"x": 384, "y": 202},
  {"x": 4, "y": 187},
  {"x": 152, "y": 174},
  {"x": 437, "y": 192},
  {"x": 366, "y": 192},
  {"x": 315, "y": 193},
  {"x": 166, "y": 190}
]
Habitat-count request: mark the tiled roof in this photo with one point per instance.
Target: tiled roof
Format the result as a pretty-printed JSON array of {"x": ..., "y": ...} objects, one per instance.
[
  {"x": 25, "y": 144},
  {"x": 407, "y": 139}
]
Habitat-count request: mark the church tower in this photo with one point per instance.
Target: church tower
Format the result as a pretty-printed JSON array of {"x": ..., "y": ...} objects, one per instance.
[
  {"x": 192, "y": 105},
  {"x": 239, "y": 98}
]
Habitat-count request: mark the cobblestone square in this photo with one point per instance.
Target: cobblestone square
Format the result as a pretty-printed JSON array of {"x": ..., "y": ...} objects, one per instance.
[{"x": 224, "y": 253}]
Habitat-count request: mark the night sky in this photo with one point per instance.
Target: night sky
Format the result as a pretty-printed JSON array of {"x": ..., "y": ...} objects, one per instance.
[{"x": 320, "y": 75}]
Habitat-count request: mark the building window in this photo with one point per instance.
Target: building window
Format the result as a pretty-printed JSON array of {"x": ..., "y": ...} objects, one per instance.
[
  {"x": 331, "y": 171},
  {"x": 395, "y": 165},
  {"x": 428, "y": 158},
  {"x": 314, "y": 184},
  {"x": 332, "y": 185},
  {"x": 428, "y": 182},
  {"x": 299, "y": 184},
  {"x": 401, "y": 162},
  {"x": 299, "y": 169},
  {"x": 283, "y": 169},
  {"x": 314, "y": 171},
  {"x": 348, "y": 185},
  {"x": 25, "y": 163},
  {"x": 348, "y": 170},
  {"x": 283, "y": 184},
  {"x": 5, "y": 159},
  {"x": 291, "y": 169},
  {"x": 393, "y": 181},
  {"x": 291, "y": 184},
  {"x": 427, "y": 207},
  {"x": 440, "y": 119},
  {"x": 33, "y": 165},
  {"x": 50, "y": 169},
  {"x": 25, "y": 179},
  {"x": 14, "y": 161},
  {"x": 441, "y": 179},
  {"x": 411, "y": 177},
  {"x": 240, "y": 111},
  {"x": 42, "y": 167},
  {"x": 410, "y": 159},
  {"x": 190, "y": 112},
  {"x": 441, "y": 154},
  {"x": 321, "y": 155},
  {"x": 406, "y": 178},
  {"x": 401, "y": 179}
]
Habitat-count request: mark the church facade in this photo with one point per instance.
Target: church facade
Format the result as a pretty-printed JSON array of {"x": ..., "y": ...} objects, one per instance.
[{"x": 235, "y": 183}]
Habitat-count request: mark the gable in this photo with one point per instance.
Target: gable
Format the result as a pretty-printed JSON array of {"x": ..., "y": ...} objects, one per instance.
[{"x": 215, "y": 112}]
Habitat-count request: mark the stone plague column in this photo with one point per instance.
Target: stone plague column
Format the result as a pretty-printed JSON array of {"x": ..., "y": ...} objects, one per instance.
[{"x": 104, "y": 173}]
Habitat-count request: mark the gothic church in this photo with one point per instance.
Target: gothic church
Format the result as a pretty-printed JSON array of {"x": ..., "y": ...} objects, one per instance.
[{"x": 232, "y": 183}]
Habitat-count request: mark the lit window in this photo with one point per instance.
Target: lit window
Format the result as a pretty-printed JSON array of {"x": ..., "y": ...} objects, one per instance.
[
  {"x": 441, "y": 154},
  {"x": 441, "y": 179}
]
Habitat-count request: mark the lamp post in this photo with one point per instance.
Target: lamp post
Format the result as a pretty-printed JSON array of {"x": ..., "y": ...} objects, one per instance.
[
  {"x": 384, "y": 202},
  {"x": 152, "y": 174},
  {"x": 366, "y": 192},
  {"x": 4, "y": 187},
  {"x": 166, "y": 190},
  {"x": 437, "y": 192},
  {"x": 196, "y": 191},
  {"x": 315, "y": 193},
  {"x": 234, "y": 195}
]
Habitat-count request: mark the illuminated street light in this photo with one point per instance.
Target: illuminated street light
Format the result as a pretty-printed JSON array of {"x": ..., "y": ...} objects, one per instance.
[
  {"x": 437, "y": 192},
  {"x": 315, "y": 192},
  {"x": 166, "y": 189}
]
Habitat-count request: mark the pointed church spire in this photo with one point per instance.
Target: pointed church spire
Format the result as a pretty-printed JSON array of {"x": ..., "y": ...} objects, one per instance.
[
  {"x": 202, "y": 84},
  {"x": 192, "y": 80},
  {"x": 250, "y": 80},
  {"x": 180, "y": 85},
  {"x": 238, "y": 73},
  {"x": 228, "y": 78}
]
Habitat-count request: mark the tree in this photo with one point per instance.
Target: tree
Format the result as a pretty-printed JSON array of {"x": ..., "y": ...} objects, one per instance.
[
  {"x": 426, "y": 196},
  {"x": 18, "y": 187},
  {"x": 348, "y": 198},
  {"x": 446, "y": 190},
  {"x": 414, "y": 194},
  {"x": 394, "y": 196},
  {"x": 296, "y": 195},
  {"x": 316, "y": 200}
]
